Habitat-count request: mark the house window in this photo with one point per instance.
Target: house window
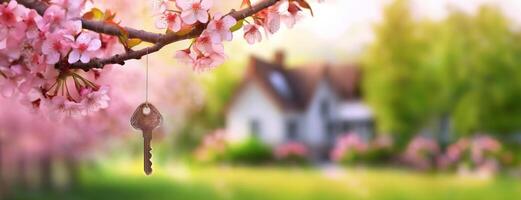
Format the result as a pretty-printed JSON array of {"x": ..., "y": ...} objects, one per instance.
[
  {"x": 255, "y": 128},
  {"x": 291, "y": 130},
  {"x": 346, "y": 126},
  {"x": 324, "y": 108}
]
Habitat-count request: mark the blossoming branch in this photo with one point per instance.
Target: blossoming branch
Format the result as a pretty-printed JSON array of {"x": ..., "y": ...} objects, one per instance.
[{"x": 53, "y": 51}]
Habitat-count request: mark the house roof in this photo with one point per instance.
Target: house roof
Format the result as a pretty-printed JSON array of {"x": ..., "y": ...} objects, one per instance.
[{"x": 293, "y": 89}]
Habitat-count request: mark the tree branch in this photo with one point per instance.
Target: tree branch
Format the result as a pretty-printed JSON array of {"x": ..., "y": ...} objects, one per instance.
[
  {"x": 159, "y": 40},
  {"x": 95, "y": 26}
]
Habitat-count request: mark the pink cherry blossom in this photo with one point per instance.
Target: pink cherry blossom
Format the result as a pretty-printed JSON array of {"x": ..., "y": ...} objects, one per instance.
[
  {"x": 32, "y": 19},
  {"x": 35, "y": 61},
  {"x": 221, "y": 26},
  {"x": 30, "y": 82},
  {"x": 73, "y": 7},
  {"x": 185, "y": 56},
  {"x": 53, "y": 17},
  {"x": 160, "y": 6},
  {"x": 11, "y": 30},
  {"x": 252, "y": 33},
  {"x": 169, "y": 20},
  {"x": 7, "y": 87},
  {"x": 209, "y": 61},
  {"x": 10, "y": 37},
  {"x": 61, "y": 107},
  {"x": 31, "y": 44},
  {"x": 55, "y": 46},
  {"x": 208, "y": 43},
  {"x": 85, "y": 46},
  {"x": 272, "y": 22},
  {"x": 290, "y": 12},
  {"x": 10, "y": 14},
  {"x": 95, "y": 100},
  {"x": 194, "y": 10},
  {"x": 269, "y": 19}
]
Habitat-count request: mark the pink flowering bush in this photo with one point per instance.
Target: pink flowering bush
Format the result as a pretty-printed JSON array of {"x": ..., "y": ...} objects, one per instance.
[
  {"x": 349, "y": 148},
  {"x": 421, "y": 153},
  {"x": 481, "y": 151},
  {"x": 212, "y": 147},
  {"x": 294, "y": 152},
  {"x": 381, "y": 150},
  {"x": 51, "y": 57}
]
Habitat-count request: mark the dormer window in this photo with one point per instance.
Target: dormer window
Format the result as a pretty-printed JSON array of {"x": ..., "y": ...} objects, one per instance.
[{"x": 280, "y": 84}]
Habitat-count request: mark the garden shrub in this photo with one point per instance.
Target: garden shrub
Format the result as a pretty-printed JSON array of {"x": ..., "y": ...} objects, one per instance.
[
  {"x": 349, "y": 149},
  {"x": 291, "y": 153},
  {"x": 250, "y": 151}
]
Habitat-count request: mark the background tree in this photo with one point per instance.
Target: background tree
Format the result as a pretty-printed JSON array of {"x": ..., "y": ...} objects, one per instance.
[
  {"x": 457, "y": 75},
  {"x": 479, "y": 62},
  {"x": 396, "y": 82}
]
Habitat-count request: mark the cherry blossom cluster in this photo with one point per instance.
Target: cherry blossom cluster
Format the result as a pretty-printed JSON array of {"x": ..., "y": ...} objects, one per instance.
[
  {"x": 207, "y": 51},
  {"x": 35, "y": 56},
  {"x": 51, "y": 59}
]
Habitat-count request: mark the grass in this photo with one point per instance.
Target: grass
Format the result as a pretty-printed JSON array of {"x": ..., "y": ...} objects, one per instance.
[{"x": 268, "y": 183}]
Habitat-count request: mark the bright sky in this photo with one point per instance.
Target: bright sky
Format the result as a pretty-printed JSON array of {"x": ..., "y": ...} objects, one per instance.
[
  {"x": 337, "y": 33},
  {"x": 340, "y": 28}
]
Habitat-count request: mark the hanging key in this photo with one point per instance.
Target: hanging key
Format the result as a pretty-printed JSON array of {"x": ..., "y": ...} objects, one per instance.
[{"x": 146, "y": 118}]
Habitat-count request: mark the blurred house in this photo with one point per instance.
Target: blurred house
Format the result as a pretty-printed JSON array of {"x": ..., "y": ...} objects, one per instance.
[{"x": 312, "y": 105}]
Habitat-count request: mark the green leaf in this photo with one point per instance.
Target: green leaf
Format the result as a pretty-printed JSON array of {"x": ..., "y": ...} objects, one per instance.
[{"x": 237, "y": 26}]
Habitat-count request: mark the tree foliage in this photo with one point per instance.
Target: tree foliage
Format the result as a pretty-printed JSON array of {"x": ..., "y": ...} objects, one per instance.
[
  {"x": 397, "y": 83},
  {"x": 465, "y": 67}
]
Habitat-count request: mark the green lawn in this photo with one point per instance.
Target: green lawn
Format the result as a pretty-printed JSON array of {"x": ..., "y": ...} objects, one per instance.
[{"x": 281, "y": 183}]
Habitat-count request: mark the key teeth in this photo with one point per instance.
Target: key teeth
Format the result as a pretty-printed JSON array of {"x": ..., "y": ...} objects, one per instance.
[{"x": 148, "y": 167}]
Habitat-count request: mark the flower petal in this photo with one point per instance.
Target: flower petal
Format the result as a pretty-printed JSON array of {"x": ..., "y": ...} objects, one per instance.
[
  {"x": 94, "y": 45},
  {"x": 184, "y": 4},
  {"x": 85, "y": 58},
  {"x": 188, "y": 17},
  {"x": 206, "y": 4},
  {"x": 74, "y": 56},
  {"x": 202, "y": 16}
]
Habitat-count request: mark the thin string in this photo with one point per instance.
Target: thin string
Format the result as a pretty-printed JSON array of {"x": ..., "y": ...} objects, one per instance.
[{"x": 146, "y": 80}]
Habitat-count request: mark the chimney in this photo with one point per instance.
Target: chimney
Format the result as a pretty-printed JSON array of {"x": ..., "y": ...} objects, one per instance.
[{"x": 279, "y": 58}]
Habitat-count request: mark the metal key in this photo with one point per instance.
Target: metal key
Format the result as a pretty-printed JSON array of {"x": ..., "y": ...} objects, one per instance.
[{"x": 146, "y": 118}]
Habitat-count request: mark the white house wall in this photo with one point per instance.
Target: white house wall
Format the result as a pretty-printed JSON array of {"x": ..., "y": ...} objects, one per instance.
[
  {"x": 314, "y": 123},
  {"x": 253, "y": 103}
]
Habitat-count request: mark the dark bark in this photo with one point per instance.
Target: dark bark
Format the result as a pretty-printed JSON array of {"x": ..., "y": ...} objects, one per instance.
[
  {"x": 46, "y": 173},
  {"x": 22, "y": 173},
  {"x": 3, "y": 187},
  {"x": 73, "y": 171}
]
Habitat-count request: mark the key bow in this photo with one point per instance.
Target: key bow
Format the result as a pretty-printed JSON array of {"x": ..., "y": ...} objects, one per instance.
[{"x": 143, "y": 120}]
